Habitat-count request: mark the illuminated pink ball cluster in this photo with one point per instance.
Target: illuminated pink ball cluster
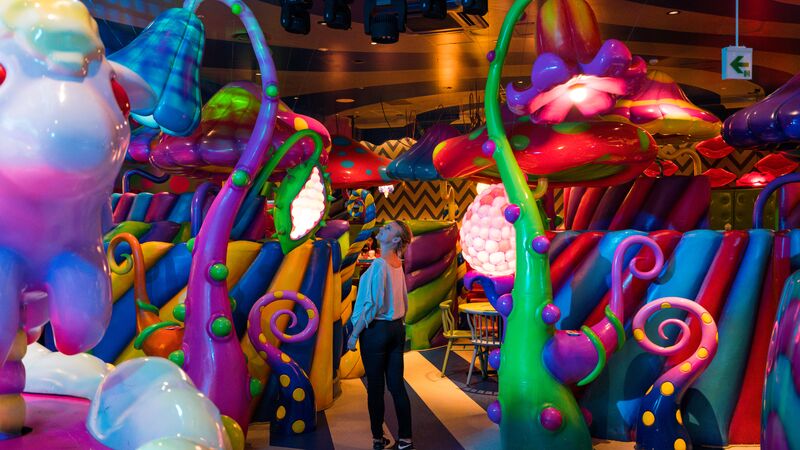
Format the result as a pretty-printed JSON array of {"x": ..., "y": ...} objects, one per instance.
[{"x": 487, "y": 239}]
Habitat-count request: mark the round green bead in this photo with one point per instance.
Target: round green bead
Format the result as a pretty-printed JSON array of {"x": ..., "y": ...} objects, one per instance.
[
  {"x": 190, "y": 245},
  {"x": 177, "y": 357},
  {"x": 256, "y": 387},
  {"x": 221, "y": 326},
  {"x": 240, "y": 178},
  {"x": 233, "y": 302},
  {"x": 179, "y": 312},
  {"x": 218, "y": 272},
  {"x": 272, "y": 91},
  {"x": 236, "y": 8}
]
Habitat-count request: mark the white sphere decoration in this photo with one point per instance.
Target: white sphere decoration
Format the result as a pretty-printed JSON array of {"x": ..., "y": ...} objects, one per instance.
[{"x": 486, "y": 237}]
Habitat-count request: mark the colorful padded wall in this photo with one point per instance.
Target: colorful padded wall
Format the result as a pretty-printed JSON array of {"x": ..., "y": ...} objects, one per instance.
[{"x": 737, "y": 276}]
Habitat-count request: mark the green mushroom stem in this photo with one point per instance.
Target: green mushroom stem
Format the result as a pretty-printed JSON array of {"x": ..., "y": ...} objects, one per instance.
[{"x": 526, "y": 387}]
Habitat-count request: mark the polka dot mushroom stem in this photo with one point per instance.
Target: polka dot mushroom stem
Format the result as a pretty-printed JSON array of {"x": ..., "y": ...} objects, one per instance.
[
  {"x": 296, "y": 412},
  {"x": 660, "y": 424}
]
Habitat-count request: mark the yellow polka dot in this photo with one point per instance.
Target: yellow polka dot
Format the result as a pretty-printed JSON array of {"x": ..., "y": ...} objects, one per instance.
[
  {"x": 648, "y": 390},
  {"x": 262, "y": 338},
  {"x": 667, "y": 388},
  {"x": 298, "y": 426},
  {"x": 678, "y": 417},
  {"x": 286, "y": 336},
  {"x": 702, "y": 353},
  {"x": 300, "y": 296},
  {"x": 680, "y": 444},
  {"x": 281, "y": 412},
  {"x": 285, "y": 358},
  {"x": 648, "y": 418},
  {"x": 299, "y": 394},
  {"x": 717, "y": 336},
  {"x": 285, "y": 380},
  {"x": 282, "y": 107},
  {"x": 262, "y": 354},
  {"x": 310, "y": 313},
  {"x": 248, "y": 323},
  {"x": 686, "y": 367},
  {"x": 638, "y": 334},
  {"x": 300, "y": 123},
  {"x": 666, "y": 305},
  {"x": 707, "y": 318},
  {"x": 278, "y": 294}
]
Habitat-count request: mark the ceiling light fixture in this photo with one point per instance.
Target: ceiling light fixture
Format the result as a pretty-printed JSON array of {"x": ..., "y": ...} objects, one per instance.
[
  {"x": 323, "y": 49},
  {"x": 344, "y": 100},
  {"x": 674, "y": 12},
  {"x": 373, "y": 43}
]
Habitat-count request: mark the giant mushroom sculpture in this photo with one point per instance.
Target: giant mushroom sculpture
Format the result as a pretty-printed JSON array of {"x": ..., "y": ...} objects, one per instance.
[
  {"x": 661, "y": 107},
  {"x": 227, "y": 121},
  {"x": 567, "y": 154},
  {"x": 352, "y": 165}
]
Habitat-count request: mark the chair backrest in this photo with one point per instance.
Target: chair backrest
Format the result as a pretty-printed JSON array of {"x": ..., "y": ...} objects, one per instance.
[
  {"x": 486, "y": 328},
  {"x": 448, "y": 322}
]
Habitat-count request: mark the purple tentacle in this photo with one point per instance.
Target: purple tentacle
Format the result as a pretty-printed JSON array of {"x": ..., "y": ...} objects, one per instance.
[
  {"x": 578, "y": 357},
  {"x": 296, "y": 409}
]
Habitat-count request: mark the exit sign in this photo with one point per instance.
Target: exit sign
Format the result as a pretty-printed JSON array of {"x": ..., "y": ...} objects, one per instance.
[{"x": 737, "y": 63}]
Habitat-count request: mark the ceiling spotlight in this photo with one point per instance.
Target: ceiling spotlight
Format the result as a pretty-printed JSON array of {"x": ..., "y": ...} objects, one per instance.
[
  {"x": 374, "y": 43},
  {"x": 345, "y": 100},
  {"x": 295, "y": 17},
  {"x": 337, "y": 14},
  {"x": 323, "y": 49},
  {"x": 674, "y": 12},
  {"x": 384, "y": 20},
  {"x": 296, "y": 97},
  {"x": 434, "y": 9},
  {"x": 475, "y": 7}
]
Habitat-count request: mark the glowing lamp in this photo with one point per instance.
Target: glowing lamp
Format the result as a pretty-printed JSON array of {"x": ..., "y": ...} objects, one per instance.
[
  {"x": 480, "y": 187},
  {"x": 309, "y": 206},
  {"x": 386, "y": 189},
  {"x": 486, "y": 237},
  {"x": 578, "y": 93}
]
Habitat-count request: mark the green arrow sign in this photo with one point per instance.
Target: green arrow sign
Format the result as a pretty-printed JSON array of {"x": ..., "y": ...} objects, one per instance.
[{"x": 737, "y": 64}]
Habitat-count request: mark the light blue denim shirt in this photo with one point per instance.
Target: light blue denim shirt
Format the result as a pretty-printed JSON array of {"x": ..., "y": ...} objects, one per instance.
[{"x": 381, "y": 294}]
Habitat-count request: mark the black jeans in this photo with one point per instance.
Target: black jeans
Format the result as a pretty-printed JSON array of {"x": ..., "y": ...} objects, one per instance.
[{"x": 382, "y": 345}]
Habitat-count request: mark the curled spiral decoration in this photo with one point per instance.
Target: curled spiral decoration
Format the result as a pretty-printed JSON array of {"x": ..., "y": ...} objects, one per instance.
[
  {"x": 296, "y": 411},
  {"x": 154, "y": 336},
  {"x": 660, "y": 425},
  {"x": 356, "y": 206},
  {"x": 618, "y": 268},
  {"x": 605, "y": 337}
]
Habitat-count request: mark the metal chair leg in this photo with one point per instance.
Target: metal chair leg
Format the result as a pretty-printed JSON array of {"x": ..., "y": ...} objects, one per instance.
[
  {"x": 472, "y": 363},
  {"x": 447, "y": 355}
]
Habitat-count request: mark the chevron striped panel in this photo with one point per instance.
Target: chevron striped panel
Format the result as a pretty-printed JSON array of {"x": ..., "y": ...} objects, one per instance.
[
  {"x": 739, "y": 162},
  {"x": 418, "y": 199}
]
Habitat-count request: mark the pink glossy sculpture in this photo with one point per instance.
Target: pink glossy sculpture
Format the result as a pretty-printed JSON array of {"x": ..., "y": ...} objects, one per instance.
[{"x": 64, "y": 130}]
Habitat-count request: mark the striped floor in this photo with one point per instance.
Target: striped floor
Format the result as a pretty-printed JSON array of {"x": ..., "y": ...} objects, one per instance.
[{"x": 446, "y": 414}]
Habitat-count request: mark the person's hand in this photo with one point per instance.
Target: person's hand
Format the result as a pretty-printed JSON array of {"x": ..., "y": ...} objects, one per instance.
[{"x": 351, "y": 343}]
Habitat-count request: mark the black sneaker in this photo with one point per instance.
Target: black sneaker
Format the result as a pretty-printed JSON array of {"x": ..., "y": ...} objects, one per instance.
[
  {"x": 404, "y": 445},
  {"x": 379, "y": 444}
]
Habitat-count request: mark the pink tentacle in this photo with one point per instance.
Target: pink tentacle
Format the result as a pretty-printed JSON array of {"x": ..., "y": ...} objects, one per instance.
[
  {"x": 617, "y": 303},
  {"x": 684, "y": 373},
  {"x": 308, "y": 331}
]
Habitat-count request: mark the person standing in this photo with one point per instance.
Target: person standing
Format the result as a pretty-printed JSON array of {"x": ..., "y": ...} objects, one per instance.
[{"x": 377, "y": 319}]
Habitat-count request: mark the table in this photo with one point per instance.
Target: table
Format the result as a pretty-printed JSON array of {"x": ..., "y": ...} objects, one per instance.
[{"x": 484, "y": 308}]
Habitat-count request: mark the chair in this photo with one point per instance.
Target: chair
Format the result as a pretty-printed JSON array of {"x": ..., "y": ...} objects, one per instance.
[
  {"x": 449, "y": 330},
  {"x": 485, "y": 329}
]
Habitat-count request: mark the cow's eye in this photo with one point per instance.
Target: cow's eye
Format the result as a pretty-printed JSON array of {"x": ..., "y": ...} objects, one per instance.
[{"x": 122, "y": 97}]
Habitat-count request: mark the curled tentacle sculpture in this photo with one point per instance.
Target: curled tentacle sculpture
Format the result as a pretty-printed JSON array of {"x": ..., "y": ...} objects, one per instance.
[
  {"x": 296, "y": 412},
  {"x": 360, "y": 204},
  {"x": 198, "y": 202},
  {"x": 578, "y": 357},
  {"x": 660, "y": 425},
  {"x": 155, "y": 336}
]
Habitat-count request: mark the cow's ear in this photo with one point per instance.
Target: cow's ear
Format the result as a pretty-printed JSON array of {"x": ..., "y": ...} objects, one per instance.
[{"x": 140, "y": 94}]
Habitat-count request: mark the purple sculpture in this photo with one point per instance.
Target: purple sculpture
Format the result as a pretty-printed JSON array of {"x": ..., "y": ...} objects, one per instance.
[{"x": 773, "y": 120}]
